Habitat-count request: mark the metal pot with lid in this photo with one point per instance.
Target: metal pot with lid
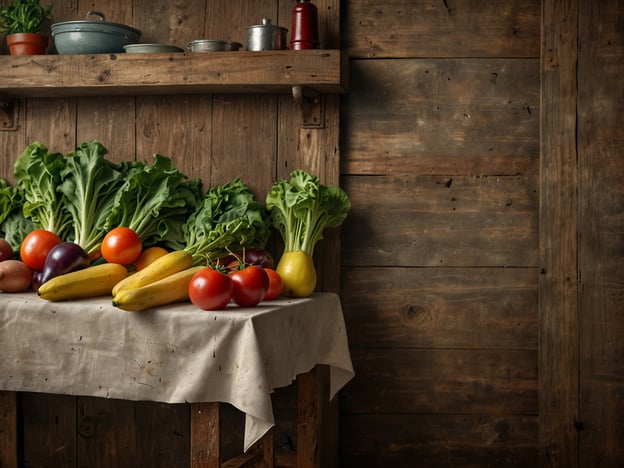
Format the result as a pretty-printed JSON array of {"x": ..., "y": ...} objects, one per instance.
[
  {"x": 266, "y": 36},
  {"x": 93, "y": 37}
]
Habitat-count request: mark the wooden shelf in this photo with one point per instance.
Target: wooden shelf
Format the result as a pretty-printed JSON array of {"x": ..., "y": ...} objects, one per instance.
[{"x": 324, "y": 71}]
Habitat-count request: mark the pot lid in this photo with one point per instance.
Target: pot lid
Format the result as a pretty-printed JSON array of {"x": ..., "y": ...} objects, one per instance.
[{"x": 266, "y": 24}]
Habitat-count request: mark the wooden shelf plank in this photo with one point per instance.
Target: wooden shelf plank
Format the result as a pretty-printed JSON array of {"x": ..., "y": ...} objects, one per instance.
[{"x": 184, "y": 73}]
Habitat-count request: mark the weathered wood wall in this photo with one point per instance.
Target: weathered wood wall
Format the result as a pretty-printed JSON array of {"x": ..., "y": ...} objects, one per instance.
[
  {"x": 600, "y": 423},
  {"x": 440, "y": 153},
  {"x": 481, "y": 267}
]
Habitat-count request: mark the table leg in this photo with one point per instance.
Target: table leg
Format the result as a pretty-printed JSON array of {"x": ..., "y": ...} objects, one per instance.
[
  {"x": 317, "y": 426},
  {"x": 205, "y": 435},
  {"x": 8, "y": 429}
]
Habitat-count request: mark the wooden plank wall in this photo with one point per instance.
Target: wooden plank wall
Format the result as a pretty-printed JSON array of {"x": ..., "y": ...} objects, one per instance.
[
  {"x": 216, "y": 137},
  {"x": 482, "y": 273},
  {"x": 559, "y": 221},
  {"x": 440, "y": 156},
  {"x": 600, "y": 422}
]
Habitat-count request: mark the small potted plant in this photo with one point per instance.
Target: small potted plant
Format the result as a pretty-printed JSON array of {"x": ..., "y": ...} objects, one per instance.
[{"x": 22, "y": 20}]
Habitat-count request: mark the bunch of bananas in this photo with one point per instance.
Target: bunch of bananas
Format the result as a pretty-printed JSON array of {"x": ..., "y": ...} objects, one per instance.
[{"x": 163, "y": 281}]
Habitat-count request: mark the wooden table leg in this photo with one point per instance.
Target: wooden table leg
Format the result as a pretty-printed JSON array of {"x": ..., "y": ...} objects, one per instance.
[
  {"x": 205, "y": 435},
  {"x": 8, "y": 429},
  {"x": 317, "y": 426}
]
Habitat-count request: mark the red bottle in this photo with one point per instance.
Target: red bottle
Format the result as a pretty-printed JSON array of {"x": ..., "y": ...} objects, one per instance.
[{"x": 304, "y": 32}]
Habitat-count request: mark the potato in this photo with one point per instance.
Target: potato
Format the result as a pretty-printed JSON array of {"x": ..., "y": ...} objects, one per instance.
[{"x": 15, "y": 276}]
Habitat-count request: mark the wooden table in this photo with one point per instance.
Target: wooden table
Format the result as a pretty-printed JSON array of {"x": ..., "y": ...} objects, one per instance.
[{"x": 238, "y": 356}]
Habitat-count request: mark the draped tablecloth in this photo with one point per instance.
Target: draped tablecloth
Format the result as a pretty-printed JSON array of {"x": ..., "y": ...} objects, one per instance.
[{"x": 173, "y": 354}]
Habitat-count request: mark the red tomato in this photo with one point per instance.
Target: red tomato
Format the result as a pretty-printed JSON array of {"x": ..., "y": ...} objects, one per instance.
[
  {"x": 275, "y": 285},
  {"x": 121, "y": 245},
  {"x": 35, "y": 247},
  {"x": 250, "y": 285},
  {"x": 210, "y": 289}
]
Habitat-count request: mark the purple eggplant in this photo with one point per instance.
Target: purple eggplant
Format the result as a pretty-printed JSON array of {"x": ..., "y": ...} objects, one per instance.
[
  {"x": 248, "y": 256},
  {"x": 260, "y": 257},
  {"x": 63, "y": 258}
]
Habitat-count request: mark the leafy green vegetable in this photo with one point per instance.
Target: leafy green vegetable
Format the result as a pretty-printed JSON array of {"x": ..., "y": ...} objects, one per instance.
[
  {"x": 302, "y": 208},
  {"x": 14, "y": 228},
  {"x": 38, "y": 174},
  {"x": 155, "y": 201},
  {"x": 13, "y": 225},
  {"x": 226, "y": 219},
  {"x": 10, "y": 199},
  {"x": 90, "y": 183}
]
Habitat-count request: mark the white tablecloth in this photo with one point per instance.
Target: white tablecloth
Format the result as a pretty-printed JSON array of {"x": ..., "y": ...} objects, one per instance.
[{"x": 173, "y": 354}]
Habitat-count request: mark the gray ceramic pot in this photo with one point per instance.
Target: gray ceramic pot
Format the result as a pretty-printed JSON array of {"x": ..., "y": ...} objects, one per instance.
[{"x": 93, "y": 37}]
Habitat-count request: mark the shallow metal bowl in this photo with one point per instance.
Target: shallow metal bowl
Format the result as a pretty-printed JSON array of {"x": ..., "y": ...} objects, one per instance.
[
  {"x": 151, "y": 48},
  {"x": 212, "y": 45}
]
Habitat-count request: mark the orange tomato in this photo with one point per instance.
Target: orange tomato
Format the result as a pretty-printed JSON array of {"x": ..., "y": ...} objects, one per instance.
[
  {"x": 121, "y": 245},
  {"x": 148, "y": 256}
]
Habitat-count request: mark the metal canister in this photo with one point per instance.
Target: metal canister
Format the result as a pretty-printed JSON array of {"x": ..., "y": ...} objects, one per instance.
[{"x": 266, "y": 36}]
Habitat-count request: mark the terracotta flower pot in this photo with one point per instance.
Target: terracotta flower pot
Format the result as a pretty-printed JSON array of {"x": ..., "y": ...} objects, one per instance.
[{"x": 27, "y": 44}]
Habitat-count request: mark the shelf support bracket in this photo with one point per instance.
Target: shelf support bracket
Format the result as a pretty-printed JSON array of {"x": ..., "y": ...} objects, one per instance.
[
  {"x": 311, "y": 105},
  {"x": 8, "y": 115}
]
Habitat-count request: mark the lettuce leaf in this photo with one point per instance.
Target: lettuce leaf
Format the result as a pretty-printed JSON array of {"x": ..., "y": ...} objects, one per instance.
[
  {"x": 90, "y": 184},
  {"x": 13, "y": 225},
  {"x": 227, "y": 218},
  {"x": 155, "y": 201},
  {"x": 37, "y": 172}
]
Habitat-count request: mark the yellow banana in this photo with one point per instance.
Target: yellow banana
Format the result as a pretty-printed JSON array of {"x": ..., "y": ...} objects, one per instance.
[
  {"x": 173, "y": 288},
  {"x": 97, "y": 280},
  {"x": 162, "y": 267}
]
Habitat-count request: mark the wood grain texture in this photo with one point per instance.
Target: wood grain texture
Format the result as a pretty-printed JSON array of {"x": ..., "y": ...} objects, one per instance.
[
  {"x": 438, "y": 440},
  {"x": 406, "y": 220},
  {"x": 601, "y": 233},
  {"x": 50, "y": 430},
  {"x": 245, "y": 145},
  {"x": 205, "y": 435},
  {"x": 166, "y": 22},
  {"x": 558, "y": 234},
  {"x": 179, "y": 127},
  {"x": 462, "y": 308},
  {"x": 163, "y": 434},
  {"x": 441, "y": 117},
  {"x": 110, "y": 120},
  {"x": 156, "y": 74},
  {"x": 8, "y": 429},
  {"x": 53, "y": 123},
  {"x": 437, "y": 381},
  {"x": 106, "y": 431},
  {"x": 449, "y": 28}
]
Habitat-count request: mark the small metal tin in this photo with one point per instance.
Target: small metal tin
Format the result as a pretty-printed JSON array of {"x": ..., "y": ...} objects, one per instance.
[{"x": 266, "y": 36}]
